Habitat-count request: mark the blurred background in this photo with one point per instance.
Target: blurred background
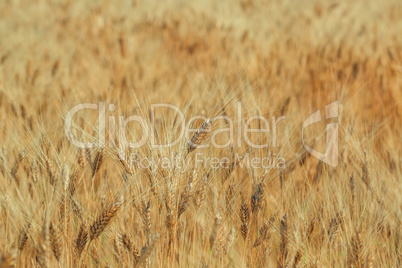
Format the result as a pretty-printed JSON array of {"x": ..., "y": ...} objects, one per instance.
[{"x": 64, "y": 46}]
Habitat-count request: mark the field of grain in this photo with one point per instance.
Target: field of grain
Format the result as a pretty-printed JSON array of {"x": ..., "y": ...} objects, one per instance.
[{"x": 115, "y": 206}]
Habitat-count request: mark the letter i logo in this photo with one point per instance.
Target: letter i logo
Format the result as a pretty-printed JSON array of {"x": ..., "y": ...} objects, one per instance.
[{"x": 330, "y": 156}]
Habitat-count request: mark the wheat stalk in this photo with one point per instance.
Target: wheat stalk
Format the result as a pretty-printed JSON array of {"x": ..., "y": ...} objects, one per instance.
[
  {"x": 55, "y": 241},
  {"x": 283, "y": 251},
  {"x": 215, "y": 229},
  {"x": 123, "y": 160},
  {"x": 199, "y": 136},
  {"x": 185, "y": 199},
  {"x": 95, "y": 256},
  {"x": 264, "y": 232},
  {"x": 82, "y": 239},
  {"x": 357, "y": 250},
  {"x": 81, "y": 158},
  {"x": 65, "y": 175},
  {"x": 50, "y": 171},
  {"x": 244, "y": 219},
  {"x": 118, "y": 255},
  {"x": 19, "y": 159},
  {"x": 72, "y": 185},
  {"x": 103, "y": 220},
  {"x": 257, "y": 198},
  {"x": 126, "y": 241},
  {"x": 76, "y": 208},
  {"x": 352, "y": 187},
  {"x": 98, "y": 161},
  {"x": 200, "y": 193},
  {"x": 297, "y": 259},
  {"x": 42, "y": 251},
  {"x": 334, "y": 228},
  {"x": 229, "y": 240},
  {"x": 146, "y": 216},
  {"x": 23, "y": 237}
]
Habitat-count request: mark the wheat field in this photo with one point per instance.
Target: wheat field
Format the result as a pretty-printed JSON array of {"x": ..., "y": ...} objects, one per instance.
[{"x": 221, "y": 63}]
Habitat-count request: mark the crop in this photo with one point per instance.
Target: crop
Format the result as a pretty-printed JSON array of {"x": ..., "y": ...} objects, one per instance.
[{"x": 227, "y": 61}]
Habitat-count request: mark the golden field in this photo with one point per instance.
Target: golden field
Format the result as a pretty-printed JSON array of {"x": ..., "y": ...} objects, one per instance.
[{"x": 63, "y": 206}]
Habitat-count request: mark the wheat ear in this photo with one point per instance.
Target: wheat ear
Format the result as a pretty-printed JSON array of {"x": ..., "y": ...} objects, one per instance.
[
  {"x": 55, "y": 241},
  {"x": 244, "y": 219},
  {"x": 199, "y": 136},
  {"x": 82, "y": 238},
  {"x": 185, "y": 199},
  {"x": 23, "y": 237},
  {"x": 103, "y": 220},
  {"x": 42, "y": 252}
]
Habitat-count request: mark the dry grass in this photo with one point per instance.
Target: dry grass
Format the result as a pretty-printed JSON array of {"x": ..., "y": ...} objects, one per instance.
[{"x": 95, "y": 208}]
